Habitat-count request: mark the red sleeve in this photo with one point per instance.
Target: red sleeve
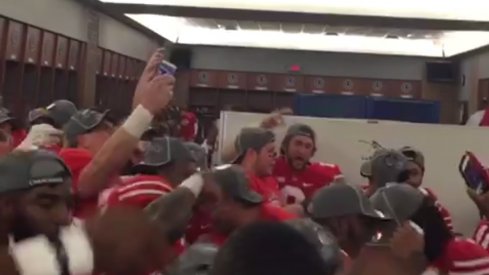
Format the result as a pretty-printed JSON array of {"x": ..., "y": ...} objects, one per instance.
[
  {"x": 447, "y": 218},
  {"x": 275, "y": 213},
  {"x": 18, "y": 136},
  {"x": 76, "y": 160},
  {"x": 481, "y": 234},
  {"x": 464, "y": 257}
]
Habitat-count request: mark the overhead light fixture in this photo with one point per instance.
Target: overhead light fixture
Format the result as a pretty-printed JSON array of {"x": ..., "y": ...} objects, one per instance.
[
  {"x": 181, "y": 31},
  {"x": 470, "y": 10}
]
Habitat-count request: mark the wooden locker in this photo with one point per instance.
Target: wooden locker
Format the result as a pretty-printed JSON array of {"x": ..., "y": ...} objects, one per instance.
[
  {"x": 100, "y": 60},
  {"x": 128, "y": 70},
  {"x": 15, "y": 33},
  {"x": 47, "y": 53},
  {"x": 3, "y": 23},
  {"x": 32, "y": 47},
  {"x": 204, "y": 79},
  {"x": 106, "y": 62},
  {"x": 61, "y": 52},
  {"x": 288, "y": 83},
  {"x": 74, "y": 55},
  {"x": 232, "y": 80},
  {"x": 318, "y": 85},
  {"x": 348, "y": 86},
  {"x": 113, "y": 65},
  {"x": 121, "y": 67},
  {"x": 260, "y": 102},
  {"x": 409, "y": 89},
  {"x": 259, "y": 82}
]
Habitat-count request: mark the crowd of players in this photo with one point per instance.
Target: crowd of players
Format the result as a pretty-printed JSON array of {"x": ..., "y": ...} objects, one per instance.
[{"x": 83, "y": 194}]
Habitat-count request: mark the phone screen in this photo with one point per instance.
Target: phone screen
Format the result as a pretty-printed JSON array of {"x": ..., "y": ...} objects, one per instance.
[
  {"x": 474, "y": 174},
  {"x": 167, "y": 68}
]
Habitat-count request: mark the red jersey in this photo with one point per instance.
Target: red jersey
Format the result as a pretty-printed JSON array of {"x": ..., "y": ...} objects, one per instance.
[
  {"x": 138, "y": 191},
  {"x": 77, "y": 159},
  {"x": 269, "y": 212},
  {"x": 463, "y": 257},
  {"x": 188, "y": 126},
  {"x": 267, "y": 187},
  {"x": 307, "y": 181},
  {"x": 199, "y": 224},
  {"x": 447, "y": 218},
  {"x": 481, "y": 234},
  {"x": 18, "y": 136}
]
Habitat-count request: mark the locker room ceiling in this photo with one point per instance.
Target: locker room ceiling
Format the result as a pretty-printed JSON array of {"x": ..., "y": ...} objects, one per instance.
[{"x": 431, "y": 28}]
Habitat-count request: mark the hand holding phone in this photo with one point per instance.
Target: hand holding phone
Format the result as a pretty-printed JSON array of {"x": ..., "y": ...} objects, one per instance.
[
  {"x": 166, "y": 67},
  {"x": 475, "y": 175}
]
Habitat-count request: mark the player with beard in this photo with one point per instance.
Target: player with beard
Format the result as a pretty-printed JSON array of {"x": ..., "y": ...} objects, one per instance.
[
  {"x": 36, "y": 231},
  {"x": 298, "y": 177}
]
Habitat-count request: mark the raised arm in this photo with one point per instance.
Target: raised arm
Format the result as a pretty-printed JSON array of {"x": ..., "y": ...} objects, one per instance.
[{"x": 151, "y": 96}]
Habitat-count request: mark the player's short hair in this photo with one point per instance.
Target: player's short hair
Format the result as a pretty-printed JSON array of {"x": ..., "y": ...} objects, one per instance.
[{"x": 268, "y": 248}]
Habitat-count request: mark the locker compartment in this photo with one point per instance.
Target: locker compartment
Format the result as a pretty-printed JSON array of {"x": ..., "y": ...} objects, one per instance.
[
  {"x": 74, "y": 55},
  {"x": 60, "y": 83},
  {"x": 12, "y": 83},
  {"x": 260, "y": 102},
  {"x": 106, "y": 62},
  {"x": 236, "y": 99},
  {"x": 32, "y": 47},
  {"x": 72, "y": 89},
  {"x": 61, "y": 52},
  {"x": 113, "y": 65},
  {"x": 3, "y": 23},
  {"x": 283, "y": 100},
  {"x": 46, "y": 83},
  {"x": 102, "y": 86},
  {"x": 203, "y": 97},
  {"x": 121, "y": 68},
  {"x": 48, "y": 47},
  {"x": 15, "y": 33},
  {"x": 30, "y": 84}
]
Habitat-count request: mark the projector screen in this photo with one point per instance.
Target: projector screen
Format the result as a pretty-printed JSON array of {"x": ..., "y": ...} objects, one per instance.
[{"x": 345, "y": 142}]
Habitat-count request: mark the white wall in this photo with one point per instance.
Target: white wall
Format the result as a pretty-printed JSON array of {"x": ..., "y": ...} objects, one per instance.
[
  {"x": 62, "y": 16},
  {"x": 68, "y": 17},
  {"x": 118, "y": 37},
  {"x": 313, "y": 63}
]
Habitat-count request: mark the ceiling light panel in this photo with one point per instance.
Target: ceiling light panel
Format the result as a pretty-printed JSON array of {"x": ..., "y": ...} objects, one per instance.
[
  {"x": 275, "y": 35},
  {"x": 472, "y": 10}
]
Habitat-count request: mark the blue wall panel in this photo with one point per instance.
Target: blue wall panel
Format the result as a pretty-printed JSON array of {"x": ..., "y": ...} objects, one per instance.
[
  {"x": 340, "y": 106},
  {"x": 422, "y": 111},
  {"x": 336, "y": 106}
]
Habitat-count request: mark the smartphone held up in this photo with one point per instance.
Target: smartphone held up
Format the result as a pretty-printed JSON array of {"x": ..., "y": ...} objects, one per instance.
[
  {"x": 166, "y": 67},
  {"x": 475, "y": 175}
]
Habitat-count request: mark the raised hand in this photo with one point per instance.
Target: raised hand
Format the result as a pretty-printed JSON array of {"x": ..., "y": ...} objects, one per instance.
[{"x": 154, "y": 91}]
